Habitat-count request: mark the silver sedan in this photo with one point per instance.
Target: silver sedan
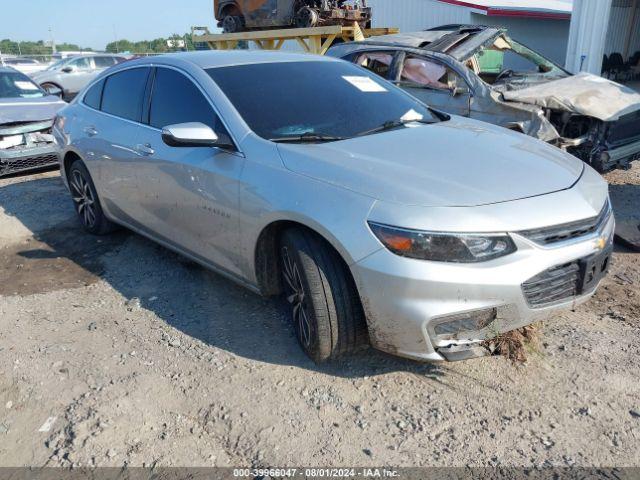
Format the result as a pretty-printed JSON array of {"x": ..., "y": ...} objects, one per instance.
[{"x": 379, "y": 219}]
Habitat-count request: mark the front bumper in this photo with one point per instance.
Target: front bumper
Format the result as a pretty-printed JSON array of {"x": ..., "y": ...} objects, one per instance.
[
  {"x": 406, "y": 299},
  {"x": 621, "y": 157},
  {"x": 17, "y": 160}
]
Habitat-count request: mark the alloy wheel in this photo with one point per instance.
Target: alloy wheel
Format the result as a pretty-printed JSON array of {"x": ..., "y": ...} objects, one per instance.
[
  {"x": 83, "y": 199},
  {"x": 296, "y": 296}
]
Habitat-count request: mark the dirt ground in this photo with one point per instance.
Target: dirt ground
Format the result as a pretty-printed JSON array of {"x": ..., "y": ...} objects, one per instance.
[{"x": 116, "y": 351}]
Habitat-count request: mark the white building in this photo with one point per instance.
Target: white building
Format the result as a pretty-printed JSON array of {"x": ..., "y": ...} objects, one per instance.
[
  {"x": 575, "y": 33},
  {"x": 540, "y": 24},
  {"x": 602, "y": 27}
]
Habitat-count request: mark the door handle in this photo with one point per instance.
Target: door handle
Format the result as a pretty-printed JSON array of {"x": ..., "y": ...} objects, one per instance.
[
  {"x": 91, "y": 131},
  {"x": 144, "y": 150}
]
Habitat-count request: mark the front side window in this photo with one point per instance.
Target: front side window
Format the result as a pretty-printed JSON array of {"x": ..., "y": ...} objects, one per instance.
[
  {"x": 176, "y": 99},
  {"x": 124, "y": 93},
  {"x": 104, "y": 62},
  {"x": 377, "y": 62},
  {"x": 82, "y": 63},
  {"x": 507, "y": 58},
  {"x": 309, "y": 99},
  {"x": 18, "y": 85},
  {"x": 58, "y": 65},
  {"x": 423, "y": 72}
]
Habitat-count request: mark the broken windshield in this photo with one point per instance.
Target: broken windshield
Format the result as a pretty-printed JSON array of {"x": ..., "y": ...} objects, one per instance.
[{"x": 507, "y": 59}]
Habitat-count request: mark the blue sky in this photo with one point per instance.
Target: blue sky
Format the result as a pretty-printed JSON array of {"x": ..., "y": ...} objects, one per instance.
[{"x": 90, "y": 23}]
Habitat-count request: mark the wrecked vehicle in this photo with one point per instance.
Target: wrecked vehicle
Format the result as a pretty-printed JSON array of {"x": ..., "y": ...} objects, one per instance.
[
  {"x": 237, "y": 15},
  {"x": 26, "y": 119},
  {"x": 480, "y": 72},
  {"x": 345, "y": 208}
]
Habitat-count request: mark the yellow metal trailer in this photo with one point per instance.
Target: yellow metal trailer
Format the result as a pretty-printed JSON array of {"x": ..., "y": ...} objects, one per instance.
[{"x": 312, "y": 40}]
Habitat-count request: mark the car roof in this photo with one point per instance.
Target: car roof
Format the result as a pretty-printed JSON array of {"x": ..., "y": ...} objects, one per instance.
[
  {"x": 8, "y": 70},
  {"x": 411, "y": 39},
  {"x": 225, "y": 58},
  {"x": 454, "y": 40}
]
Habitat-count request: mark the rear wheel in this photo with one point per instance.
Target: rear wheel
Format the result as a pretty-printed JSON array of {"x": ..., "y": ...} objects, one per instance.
[
  {"x": 86, "y": 201},
  {"x": 232, "y": 24},
  {"x": 325, "y": 307}
]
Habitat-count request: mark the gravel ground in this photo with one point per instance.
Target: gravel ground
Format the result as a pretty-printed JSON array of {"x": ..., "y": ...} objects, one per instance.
[{"x": 116, "y": 351}]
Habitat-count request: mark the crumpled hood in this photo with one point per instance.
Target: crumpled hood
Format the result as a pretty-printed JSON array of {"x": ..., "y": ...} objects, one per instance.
[
  {"x": 14, "y": 110},
  {"x": 584, "y": 93},
  {"x": 460, "y": 162}
]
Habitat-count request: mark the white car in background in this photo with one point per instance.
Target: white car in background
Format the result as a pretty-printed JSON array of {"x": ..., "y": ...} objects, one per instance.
[
  {"x": 70, "y": 75},
  {"x": 28, "y": 66}
]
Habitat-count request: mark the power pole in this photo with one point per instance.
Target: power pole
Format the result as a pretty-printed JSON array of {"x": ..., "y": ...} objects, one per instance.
[
  {"x": 115, "y": 34},
  {"x": 53, "y": 42}
]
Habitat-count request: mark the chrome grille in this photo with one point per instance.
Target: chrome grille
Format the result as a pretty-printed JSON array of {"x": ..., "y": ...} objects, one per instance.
[
  {"x": 554, "y": 285},
  {"x": 22, "y": 164},
  {"x": 569, "y": 231}
]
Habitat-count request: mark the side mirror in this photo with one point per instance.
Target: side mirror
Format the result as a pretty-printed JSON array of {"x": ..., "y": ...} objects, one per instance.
[
  {"x": 67, "y": 69},
  {"x": 194, "y": 134},
  {"x": 53, "y": 90},
  {"x": 460, "y": 90}
]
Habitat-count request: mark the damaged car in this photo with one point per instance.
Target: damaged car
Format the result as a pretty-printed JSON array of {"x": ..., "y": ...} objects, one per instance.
[
  {"x": 237, "y": 15},
  {"x": 482, "y": 73},
  {"x": 26, "y": 120},
  {"x": 344, "y": 208}
]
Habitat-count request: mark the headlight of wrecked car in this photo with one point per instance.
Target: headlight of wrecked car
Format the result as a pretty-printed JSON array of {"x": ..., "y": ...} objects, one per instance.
[{"x": 443, "y": 247}]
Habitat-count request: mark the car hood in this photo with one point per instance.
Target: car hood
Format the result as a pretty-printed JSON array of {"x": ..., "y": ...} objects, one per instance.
[
  {"x": 22, "y": 110},
  {"x": 459, "y": 162},
  {"x": 584, "y": 93}
]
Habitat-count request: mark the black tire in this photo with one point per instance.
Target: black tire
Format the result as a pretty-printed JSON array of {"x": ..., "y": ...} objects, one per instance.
[
  {"x": 86, "y": 201},
  {"x": 232, "y": 24},
  {"x": 307, "y": 17},
  {"x": 47, "y": 86},
  {"x": 327, "y": 314}
]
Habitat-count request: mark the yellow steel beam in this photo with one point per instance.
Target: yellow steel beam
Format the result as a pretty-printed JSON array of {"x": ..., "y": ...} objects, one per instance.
[{"x": 312, "y": 40}]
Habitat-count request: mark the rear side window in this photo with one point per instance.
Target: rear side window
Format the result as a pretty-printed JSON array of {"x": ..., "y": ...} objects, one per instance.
[
  {"x": 93, "y": 97},
  {"x": 176, "y": 99},
  {"x": 124, "y": 93},
  {"x": 377, "y": 62}
]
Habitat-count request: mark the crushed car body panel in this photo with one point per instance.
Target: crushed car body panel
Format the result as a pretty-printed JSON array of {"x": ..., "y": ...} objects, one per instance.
[
  {"x": 584, "y": 93},
  {"x": 505, "y": 83},
  {"x": 26, "y": 142},
  {"x": 19, "y": 110}
]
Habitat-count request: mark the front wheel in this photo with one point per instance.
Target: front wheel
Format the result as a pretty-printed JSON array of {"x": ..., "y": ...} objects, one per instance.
[
  {"x": 53, "y": 89},
  {"x": 325, "y": 307},
  {"x": 86, "y": 201}
]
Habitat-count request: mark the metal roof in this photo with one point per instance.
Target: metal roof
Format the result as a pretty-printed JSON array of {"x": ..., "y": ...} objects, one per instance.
[
  {"x": 552, "y": 9},
  {"x": 225, "y": 58}
]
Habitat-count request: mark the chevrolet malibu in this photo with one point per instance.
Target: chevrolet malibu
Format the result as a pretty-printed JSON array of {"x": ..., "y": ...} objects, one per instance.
[{"x": 377, "y": 218}]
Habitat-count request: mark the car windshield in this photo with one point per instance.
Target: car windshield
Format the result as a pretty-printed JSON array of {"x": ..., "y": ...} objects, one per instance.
[
  {"x": 507, "y": 59},
  {"x": 17, "y": 85},
  {"x": 314, "y": 101}
]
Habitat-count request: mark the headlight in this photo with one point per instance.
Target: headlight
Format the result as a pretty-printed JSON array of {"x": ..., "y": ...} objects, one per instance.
[{"x": 443, "y": 247}]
